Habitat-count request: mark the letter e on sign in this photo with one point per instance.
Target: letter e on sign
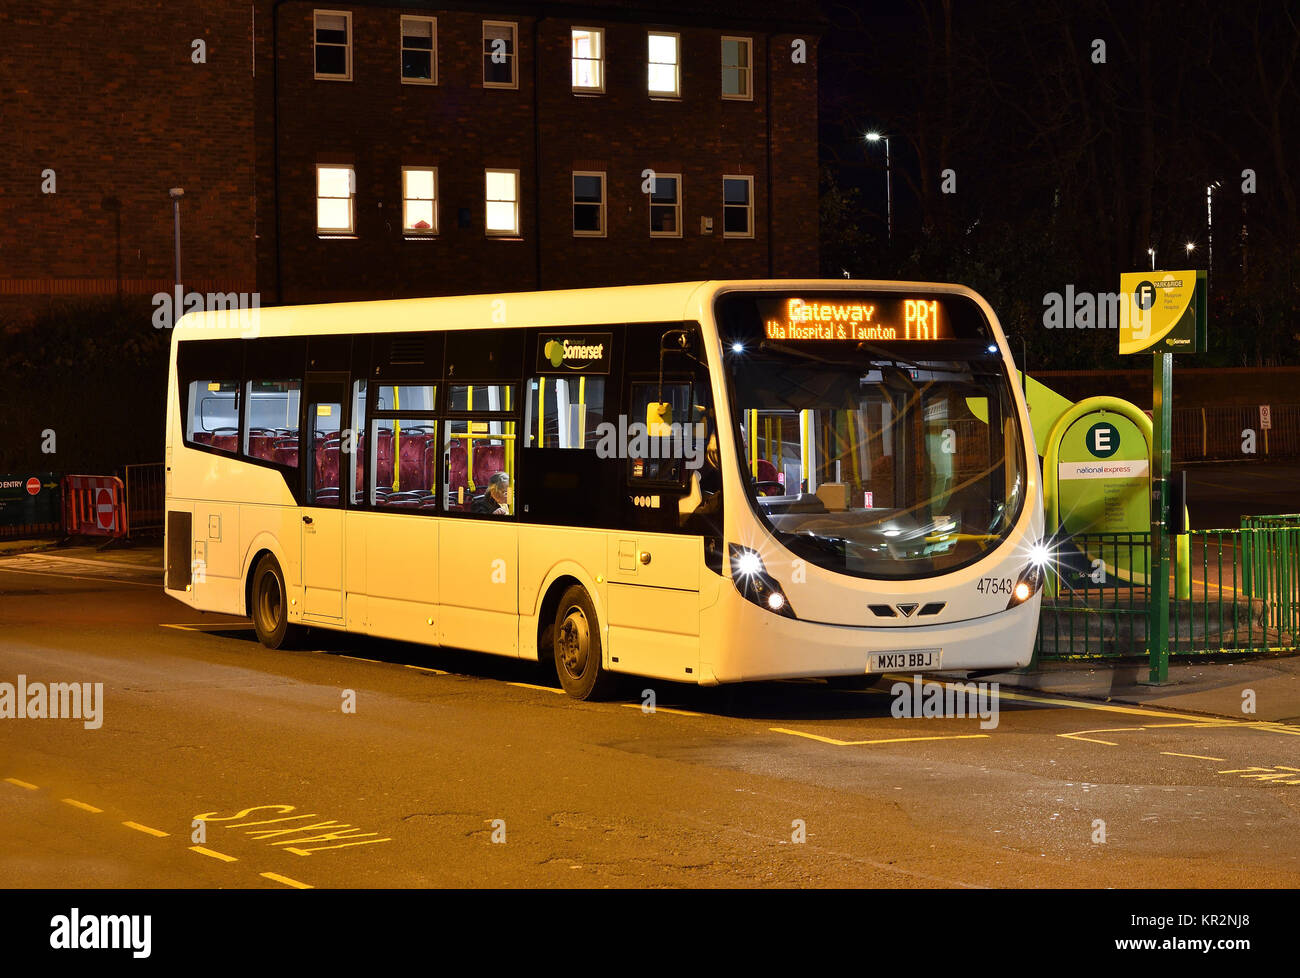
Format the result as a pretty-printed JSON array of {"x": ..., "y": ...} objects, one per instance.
[{"x": 1103, "y": 439}]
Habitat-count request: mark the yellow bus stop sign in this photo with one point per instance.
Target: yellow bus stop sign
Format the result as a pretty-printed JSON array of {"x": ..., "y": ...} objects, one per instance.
[{"x": 1162, "y": 312}]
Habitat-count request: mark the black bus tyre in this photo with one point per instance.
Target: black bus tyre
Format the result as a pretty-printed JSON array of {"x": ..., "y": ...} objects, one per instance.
[
  {"x": 577, "y": 648},
  {"x": 269, "y": 606}
]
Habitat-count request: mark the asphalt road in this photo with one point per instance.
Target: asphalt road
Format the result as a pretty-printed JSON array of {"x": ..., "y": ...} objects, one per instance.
[{"x": 222, "y": 764}]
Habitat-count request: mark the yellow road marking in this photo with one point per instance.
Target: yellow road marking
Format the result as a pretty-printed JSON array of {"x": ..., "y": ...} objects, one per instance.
[
  {"x": 859, "y": 743},
  {"x": 1199, "y": 757},
  {"x": 665, "y": 709},
  {"x": 1077, "y": 735},
  {"x": 544, "y": 689},
  {"x": 1072, "y": 704},
  {"x": 214, "y": 854},
  {"x": 287, "y": 882},
  {"x": 83, "y": 806},
  {"x": 76, "y": 577},
  {"x": 436, "y": 672},
  {"x": 22, "y": 784},
  {"x": 146, "y": 830},
  {"x": 210, "y": 627}
]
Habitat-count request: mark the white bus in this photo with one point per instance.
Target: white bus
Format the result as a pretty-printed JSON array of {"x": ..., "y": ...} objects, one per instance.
[{"x": 705, "y": 482}]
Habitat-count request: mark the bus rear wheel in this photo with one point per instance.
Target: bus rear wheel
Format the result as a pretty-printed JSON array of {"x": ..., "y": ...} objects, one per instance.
[
  {"x": 576, "y": 644},
  {"x": 269, "y": 606}
]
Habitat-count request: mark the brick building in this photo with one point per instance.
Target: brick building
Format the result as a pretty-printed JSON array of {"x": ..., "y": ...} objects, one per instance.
[{"x": 362, "y": 150}]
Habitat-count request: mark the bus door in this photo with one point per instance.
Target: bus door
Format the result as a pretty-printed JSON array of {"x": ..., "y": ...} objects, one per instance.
[
  {"x": 322, "y": 512},
  {"x": 653, "y": 565}
]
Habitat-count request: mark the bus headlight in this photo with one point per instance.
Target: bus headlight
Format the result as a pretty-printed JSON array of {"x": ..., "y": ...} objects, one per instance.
[
  {"x": 754, "y": 583},
  {"x": 1028, "y": 584}
]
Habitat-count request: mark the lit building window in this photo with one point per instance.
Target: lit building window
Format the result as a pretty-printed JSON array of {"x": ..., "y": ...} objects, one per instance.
[
  {"x": 737, "y": 68},
  {"x": 664, "y": 77},
  {"x": 335, "y": 191},
  {"x": 502, "y": 203},
  {"x": 419, "y": 51},
  {"x": 419, "y": 200},
  {"x": 588, "y": 59},
  {"x": 333, "y": 29}
]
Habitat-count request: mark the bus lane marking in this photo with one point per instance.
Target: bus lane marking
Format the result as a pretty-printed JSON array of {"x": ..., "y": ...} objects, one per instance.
[
  {"x": 83, "y": 806},
  {"x": 214, "y": 854},
  {"x": 300, "y": 839},
  {"x": 287, "y": 881},
  {"x": 156, "y": 833},
  {"x": 1277, "y": 774},
  {"x": 544, "y": 689},
  {"x": 232, "y": 626},
  {"x": 22, "y": 784},
  {"x": 859, "y": 743}
]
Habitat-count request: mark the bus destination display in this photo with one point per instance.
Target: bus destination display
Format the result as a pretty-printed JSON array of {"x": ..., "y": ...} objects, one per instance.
[{"x": 853, "y": 318}]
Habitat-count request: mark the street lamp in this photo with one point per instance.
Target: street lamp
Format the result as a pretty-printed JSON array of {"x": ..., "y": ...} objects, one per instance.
[
  {"x": 1191, "y": 246},
  {"x": 1152, "y": 253},
  {"x": 1209, "y": 231},
  {"x": 176, "y": 193},
  {"x": 875, "y": 137}
]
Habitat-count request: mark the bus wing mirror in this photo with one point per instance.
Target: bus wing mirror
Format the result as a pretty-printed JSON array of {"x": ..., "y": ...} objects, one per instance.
[{"x": 658, "y": 418}]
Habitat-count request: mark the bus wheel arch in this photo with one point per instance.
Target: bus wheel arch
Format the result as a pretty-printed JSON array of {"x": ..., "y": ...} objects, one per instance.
[
  {"x": 571, "y": 637},
  {"x": 267, "y": 603}
]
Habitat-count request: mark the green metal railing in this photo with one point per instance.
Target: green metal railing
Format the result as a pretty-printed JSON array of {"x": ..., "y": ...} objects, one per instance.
[{"x": 1233, "y": 591}]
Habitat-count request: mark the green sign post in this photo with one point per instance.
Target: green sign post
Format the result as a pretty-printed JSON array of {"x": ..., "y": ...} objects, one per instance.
[{"x": 1162, "y": 313}]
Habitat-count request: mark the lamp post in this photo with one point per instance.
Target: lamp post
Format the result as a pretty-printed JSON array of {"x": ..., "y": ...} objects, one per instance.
[
  {"x": 875, "y": 137},
  {"x": 1209, "y": 231},
  {"x": 1152, "y": 253},
  {"x": 176, "y": 193},
  {"x": 1190, "y": 248}
]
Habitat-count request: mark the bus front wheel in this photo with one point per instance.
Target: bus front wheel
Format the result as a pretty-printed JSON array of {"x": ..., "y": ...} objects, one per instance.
[
  {"x": 576, "y": 643},
  {"x": 269, "y": 607}
]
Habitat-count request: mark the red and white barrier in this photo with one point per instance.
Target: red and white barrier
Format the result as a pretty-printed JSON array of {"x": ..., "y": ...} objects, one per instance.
[{"x": 94, "y": 505}]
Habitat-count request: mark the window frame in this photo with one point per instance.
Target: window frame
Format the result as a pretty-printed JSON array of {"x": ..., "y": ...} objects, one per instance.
[
  {"x": 676, "y": 93},
  {"x": 600, "y": 62},
  {"x": 316, "y": 44},
  {"x": 434, "y": 231},
  {"x": 351, "y": 230},
  {"x": 678, "y": 208},
  {"x": 433, "y": 51},
  {"x": 512, "y": 57},
  {"x": 747, "y": 72},
  {"x": 749, "y": 207},
  {"x": 517, "y": 232},
  {"x": 604, "y": 200}
]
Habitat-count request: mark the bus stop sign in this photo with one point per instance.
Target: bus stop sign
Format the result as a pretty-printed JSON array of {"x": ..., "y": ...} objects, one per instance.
[{"x": 1162, "y": 312}]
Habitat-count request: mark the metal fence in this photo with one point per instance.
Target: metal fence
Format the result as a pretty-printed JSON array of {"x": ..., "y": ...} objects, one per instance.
[
  {"x": 145, "y": 498},
  {"x": 1231, "y": 591},
  {"x": 1220, "y": 432}
]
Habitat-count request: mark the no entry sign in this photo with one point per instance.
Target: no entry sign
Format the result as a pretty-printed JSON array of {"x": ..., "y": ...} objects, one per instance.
[
  {"x": 33, "y": 486},
  {"x": 104, "y": 508}
]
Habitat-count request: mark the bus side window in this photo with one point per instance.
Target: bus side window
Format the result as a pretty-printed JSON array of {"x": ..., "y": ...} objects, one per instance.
[
  {"x": 479, "y": 465},
  {"x": 212, "y": 417},
  {"x": 271, "y": 432}
]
